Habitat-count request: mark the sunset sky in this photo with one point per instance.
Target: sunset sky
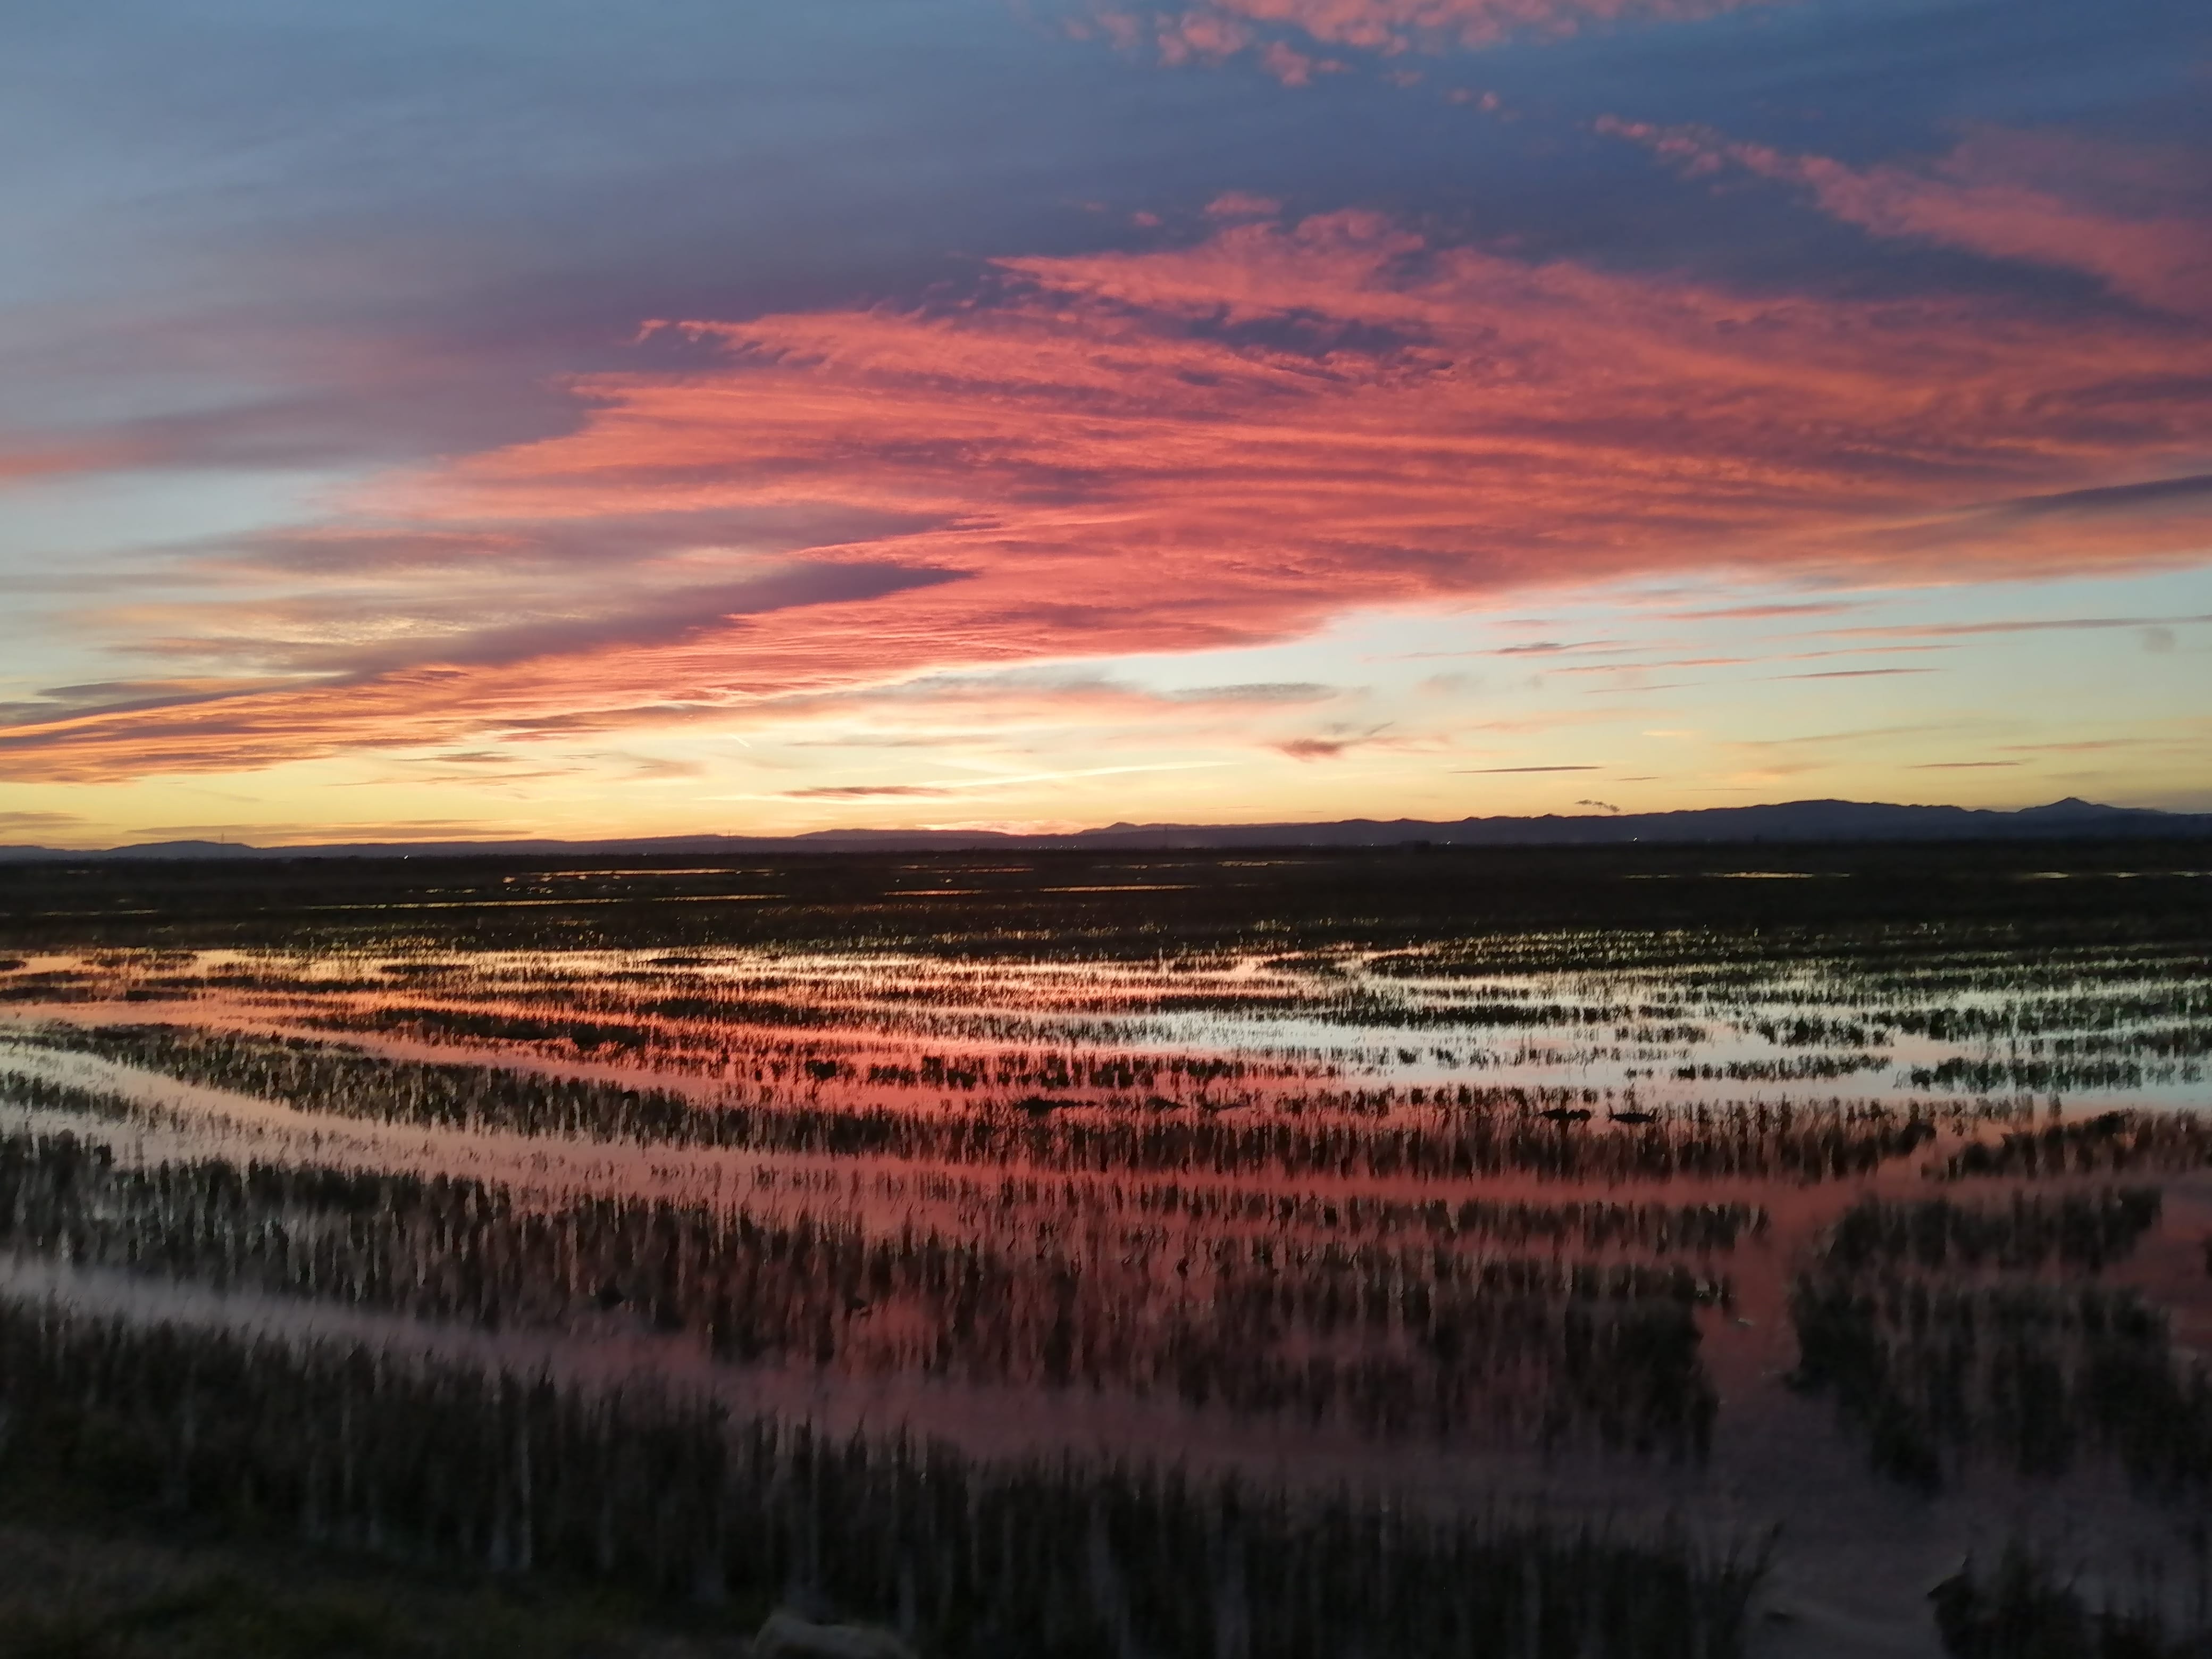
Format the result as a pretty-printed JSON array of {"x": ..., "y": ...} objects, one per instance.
[{"x": 436, "y": 421}]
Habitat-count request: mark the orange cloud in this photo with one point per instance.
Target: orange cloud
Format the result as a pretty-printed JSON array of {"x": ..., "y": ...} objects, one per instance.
[
  {"x": 1213, "y": 445},
  {"x": 2104, "y": 210}
]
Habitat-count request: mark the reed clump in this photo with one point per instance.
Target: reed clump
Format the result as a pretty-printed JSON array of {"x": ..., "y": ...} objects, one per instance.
[
  {"x": 2108, "y": 1143},
  {"x": 2023, "y": 1609},
  {"x": 2037, "y": 1372},
  {"x": 2084, "y": 1230}
]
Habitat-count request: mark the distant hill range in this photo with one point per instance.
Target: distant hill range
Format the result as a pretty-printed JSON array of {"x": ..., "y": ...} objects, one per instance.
[{"x": 1800, "y": 821}]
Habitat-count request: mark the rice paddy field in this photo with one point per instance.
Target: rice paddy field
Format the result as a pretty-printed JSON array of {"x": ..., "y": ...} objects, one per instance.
[{"x": 1681, "y": 1252}]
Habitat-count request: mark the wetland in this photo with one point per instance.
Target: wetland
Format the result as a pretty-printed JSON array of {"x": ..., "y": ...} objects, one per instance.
[{"x": 1580, "y": 1252}]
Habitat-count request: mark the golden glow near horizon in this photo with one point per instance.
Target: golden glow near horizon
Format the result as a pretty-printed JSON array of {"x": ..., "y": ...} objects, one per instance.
[{"x": 1435, "y": 717}]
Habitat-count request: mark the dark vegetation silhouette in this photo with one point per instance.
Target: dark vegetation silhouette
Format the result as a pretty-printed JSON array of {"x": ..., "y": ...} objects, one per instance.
[
  {"x": 1391, "y": 1341},
  {"x": 2025, "y": 1608},
  {"x": 1934, "y": 1363},
  {"x": 1469, "y": 1132},
  {"x": 1087, "y": 903},
  {"x": 440, "y": 1464}
]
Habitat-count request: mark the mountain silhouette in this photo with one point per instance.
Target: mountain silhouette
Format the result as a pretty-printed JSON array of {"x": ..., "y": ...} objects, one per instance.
[{"x": 1803, "y": 820}]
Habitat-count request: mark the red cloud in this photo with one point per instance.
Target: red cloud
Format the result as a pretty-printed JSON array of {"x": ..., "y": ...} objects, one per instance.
[{"x": 1229, "y": 442}]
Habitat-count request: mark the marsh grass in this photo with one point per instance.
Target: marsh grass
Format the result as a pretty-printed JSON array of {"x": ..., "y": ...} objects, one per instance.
[
  {"x": 1406, "y": 1340},
  {"x": 1471, "y": 1133},
  {"x": 2039, "y": 1372},
  {"x": 447, "y": 1466}
]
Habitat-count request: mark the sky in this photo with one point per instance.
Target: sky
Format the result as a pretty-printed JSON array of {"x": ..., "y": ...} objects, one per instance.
[{"x": 422, "y": 422}]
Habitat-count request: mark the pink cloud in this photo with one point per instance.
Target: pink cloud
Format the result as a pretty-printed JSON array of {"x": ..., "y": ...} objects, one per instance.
[
  {"x": 1287, "y": 64},
  {"x": 1213, "y": 444},
  {"x": 1215, "y": 30},
  {"x": 1204, "y": 36},
  {"x": 34, "y": 461},
  {"x": 1243, "y": 204},
  {"x": 2122, "y": 216}
]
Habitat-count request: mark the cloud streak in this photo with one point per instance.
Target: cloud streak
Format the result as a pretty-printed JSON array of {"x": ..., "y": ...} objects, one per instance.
[
  {"x": 2039, "y": 199},
  {"x": 1283, "y": 36}
]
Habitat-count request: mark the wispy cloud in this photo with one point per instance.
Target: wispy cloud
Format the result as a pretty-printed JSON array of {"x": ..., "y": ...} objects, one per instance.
[
  {"x": 1556, "y": 647},
  {"x": 1331, "y": 743},
  {"x": 867, "y": 792},
  {"x": 30, "y": 460},
  {"x": 947, "y": 787},
  {"x": 329, "y": 635},
  {"x": 1767, "y": 612},
  {"x": 2043, "y": 199},
  {"x": 1654, "y": 667},
  {"x": 1854, "y": 673},
  {"x": 1284, "y": 36},
  {"x": 23, "y": 823},
  {"x": 2019, "y": 625}
]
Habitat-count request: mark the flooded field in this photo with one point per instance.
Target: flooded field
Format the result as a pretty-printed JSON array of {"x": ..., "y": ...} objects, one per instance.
[{"x": 1697, "y": 1253}]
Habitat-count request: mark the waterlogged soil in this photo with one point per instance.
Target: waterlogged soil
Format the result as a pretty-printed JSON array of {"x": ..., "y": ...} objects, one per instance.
[{"x": 1876, "y": 1248}]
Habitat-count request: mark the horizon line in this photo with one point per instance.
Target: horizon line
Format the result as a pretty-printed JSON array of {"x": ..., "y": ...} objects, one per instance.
[{"x": 2047, "y": 817}]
